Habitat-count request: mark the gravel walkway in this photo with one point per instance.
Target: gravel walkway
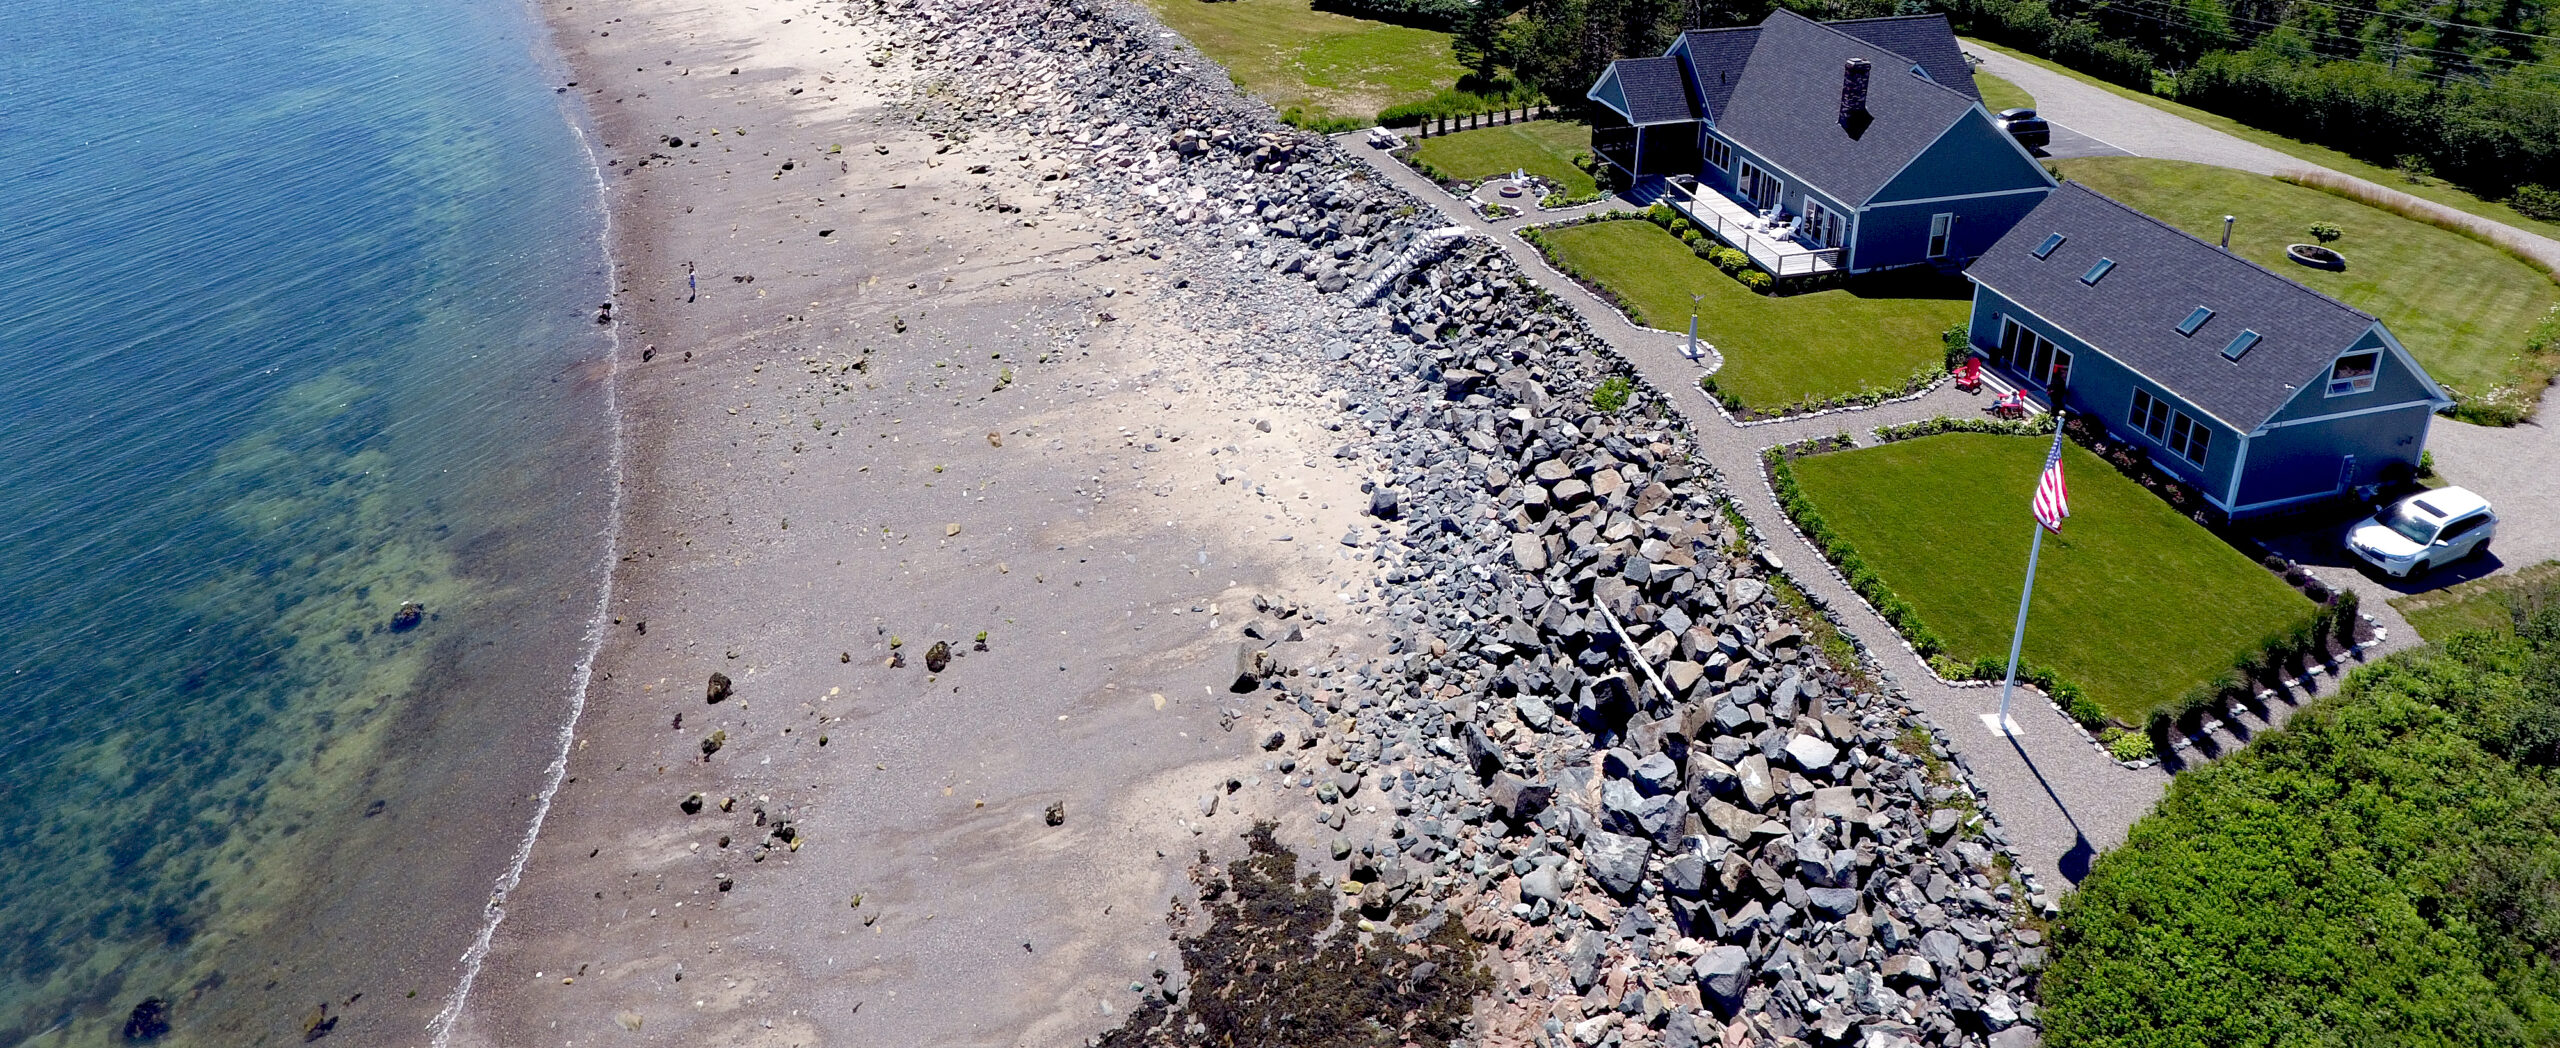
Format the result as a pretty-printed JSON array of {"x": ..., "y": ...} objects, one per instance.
[
  {"x": 2060, "y": 800},
  {"x": 2144, "y": 131}
]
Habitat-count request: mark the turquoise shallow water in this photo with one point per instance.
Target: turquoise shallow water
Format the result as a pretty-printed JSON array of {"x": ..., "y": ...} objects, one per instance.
[{"x": 295, "y": 326}]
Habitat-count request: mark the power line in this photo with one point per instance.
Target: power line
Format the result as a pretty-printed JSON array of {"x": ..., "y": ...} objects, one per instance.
[
  {"x": 2509, "y": 90},
  {"x": 2167, "y": 7},
  {"x": 2427, "y": 21}
]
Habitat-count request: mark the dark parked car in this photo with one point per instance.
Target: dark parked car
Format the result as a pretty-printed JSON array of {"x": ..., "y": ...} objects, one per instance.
[{"x": 2024, "y": 125}]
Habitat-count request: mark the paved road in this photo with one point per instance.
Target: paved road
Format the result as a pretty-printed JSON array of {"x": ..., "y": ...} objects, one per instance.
[
  {"x": 2144, "y": 131},
  {"x": 2069, "y": 143},
  {"x": 2059, "y": 799}
]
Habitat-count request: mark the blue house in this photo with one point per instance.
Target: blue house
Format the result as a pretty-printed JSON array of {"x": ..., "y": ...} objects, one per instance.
[
  {"x": 2264, "y": 394},
  {"x": 1819, "y": 147}
]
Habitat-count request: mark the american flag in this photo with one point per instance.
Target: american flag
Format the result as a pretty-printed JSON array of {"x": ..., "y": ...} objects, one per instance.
[{"x": 2052, "y": 501}]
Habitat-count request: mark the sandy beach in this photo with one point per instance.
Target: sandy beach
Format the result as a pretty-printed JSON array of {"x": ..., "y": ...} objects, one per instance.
[
  {"x": 1042, "y": 467},
  {"x": 884, "y": 394}
]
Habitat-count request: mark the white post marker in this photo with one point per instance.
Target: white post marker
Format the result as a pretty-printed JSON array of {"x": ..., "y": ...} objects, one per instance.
[
  {"x": 2050, "y": 505},
  {"x": 1692, "y": 351}
]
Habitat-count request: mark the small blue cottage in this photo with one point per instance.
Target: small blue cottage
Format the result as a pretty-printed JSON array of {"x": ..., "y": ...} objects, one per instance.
[
  {"x": 2264, "y": 394},
  {"x": 1821, "y": 147}
]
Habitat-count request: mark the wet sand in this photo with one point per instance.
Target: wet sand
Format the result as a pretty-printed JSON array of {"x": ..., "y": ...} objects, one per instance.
[{"x": 906, "y": 399}]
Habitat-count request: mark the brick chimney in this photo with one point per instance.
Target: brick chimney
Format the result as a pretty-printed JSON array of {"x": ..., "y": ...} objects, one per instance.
[{"x": 1853, "y": 90}]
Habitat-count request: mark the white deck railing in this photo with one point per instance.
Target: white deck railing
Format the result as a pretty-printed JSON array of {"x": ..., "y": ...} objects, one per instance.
[{"x": 1737, "y": 225}]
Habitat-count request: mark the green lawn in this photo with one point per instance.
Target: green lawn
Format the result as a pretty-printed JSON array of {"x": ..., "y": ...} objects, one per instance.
[
  {"x": 1998, "y": 94},
  {"x": 2463, "y": 307},
  {"x": 2432, "y": 189},
  {"x": 1778, "y": 351},
  {"x": 2480, "y": 604},
  {"x": 1544, "y": 148},
  {"x": 1289, "y": 54},
  {"x": 2133, "y": 601}
]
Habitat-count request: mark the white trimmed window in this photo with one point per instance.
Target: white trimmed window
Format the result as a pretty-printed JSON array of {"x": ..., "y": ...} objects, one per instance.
[
  {"x": 1718, "y": 154},
  {"x": 2173, "y": 429},
  {"x": 2353, "y": 373}
]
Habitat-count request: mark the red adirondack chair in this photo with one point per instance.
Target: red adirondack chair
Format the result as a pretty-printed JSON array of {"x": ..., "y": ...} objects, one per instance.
[{"x": 1969, "y": 374}]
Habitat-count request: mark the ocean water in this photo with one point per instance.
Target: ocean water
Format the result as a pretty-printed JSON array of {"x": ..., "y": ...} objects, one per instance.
[{"x": 296, "y": 326}]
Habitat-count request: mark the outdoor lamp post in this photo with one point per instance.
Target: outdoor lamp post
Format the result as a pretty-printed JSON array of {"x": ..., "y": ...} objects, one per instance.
[{"x": 1693, "y": 325}]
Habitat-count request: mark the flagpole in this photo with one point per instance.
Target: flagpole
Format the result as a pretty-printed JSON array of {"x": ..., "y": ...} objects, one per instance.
[{"x": 2018, "y": 635}]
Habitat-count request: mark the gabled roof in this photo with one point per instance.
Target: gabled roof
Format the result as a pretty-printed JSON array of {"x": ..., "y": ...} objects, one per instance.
[
  {"x": 2160, "y": 276},
  {"x": 1656, "y": 90},
  {"x": 1927, "y": 40},
  {"x": 1786, "y": 107},
  {"x": 1716, "y": 57}
]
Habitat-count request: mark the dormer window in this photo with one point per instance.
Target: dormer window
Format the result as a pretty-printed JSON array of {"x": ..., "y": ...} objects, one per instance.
[
  {"x": 2240, "y": 345},
  {"x": 2353, "y": 373},
  {"x": 2194, "y": 320},
  {"x": 2097, "y": 272},
  {"x": 2045, "y": 250}
]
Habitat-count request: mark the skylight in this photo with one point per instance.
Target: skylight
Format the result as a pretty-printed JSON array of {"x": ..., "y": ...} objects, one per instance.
[
  {"x": 2240, "y": 344},
  {"x": 2045, "y": 250},
  {"x": 2096, "y": 271},
  {"x": 2195, "y": 320}
]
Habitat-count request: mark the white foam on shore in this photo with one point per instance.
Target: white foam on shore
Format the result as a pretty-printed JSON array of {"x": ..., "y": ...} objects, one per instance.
[{"x": 440, "y": 1028}]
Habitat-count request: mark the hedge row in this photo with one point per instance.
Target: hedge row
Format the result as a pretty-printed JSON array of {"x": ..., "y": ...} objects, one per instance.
[{"x": 2279, "y": 658}]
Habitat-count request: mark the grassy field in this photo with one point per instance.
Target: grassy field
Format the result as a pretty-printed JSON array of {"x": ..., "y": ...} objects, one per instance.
[
  {"x": 2133, "y": 601},
  {"x": 2480, "y": 604},
  {"x": 1998, "y": 94},
  {"x": 1777, "y": 350},
  {"x": 1544, "y": 148},
  {"x": 2463, "y": 307},
  {"x": 1332, "y": 66},
  {"x": 2432, "y": 189}
]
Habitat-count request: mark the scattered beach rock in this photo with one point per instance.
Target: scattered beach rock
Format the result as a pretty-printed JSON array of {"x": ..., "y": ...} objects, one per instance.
[
  {"x": 1057, "y": 815},
  {"x": 148, "y": 1022},
  {"x": 407, "y": 618},
  {"x": 718, "y": 689}
]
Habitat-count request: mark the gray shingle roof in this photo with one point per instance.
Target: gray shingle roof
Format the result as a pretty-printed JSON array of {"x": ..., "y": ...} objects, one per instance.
[
  {"x": 1718, "y": 56},
  {"x": 1657, "y": 90},
  {"x": 1786, "y": 107},
  {"x": 2161, "y": 275},
  {"x": 1927, "y": 40}
]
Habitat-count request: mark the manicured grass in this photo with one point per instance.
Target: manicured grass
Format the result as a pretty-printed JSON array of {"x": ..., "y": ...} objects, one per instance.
[
  {"x": 2463, "y": 307},
  {"x": 1330, "y": 65},
  {"x": 1777, "y": 351},
  {"x": 1998, "y": 94},
  {"x": 1544, "y": 148},
  {"x": 2434, "y": 189},
  {"x": 2480, "y": 604},
  {"x": 2133, "y": 601}
]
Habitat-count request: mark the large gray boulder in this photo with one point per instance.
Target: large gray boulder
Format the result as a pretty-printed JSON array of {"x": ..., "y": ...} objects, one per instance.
[
  {"x": 1723, "y": 973},
  {"x": 1616, "y": 861}
]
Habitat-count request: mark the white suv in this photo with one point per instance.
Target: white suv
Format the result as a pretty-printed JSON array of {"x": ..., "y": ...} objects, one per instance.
[{"x": 2426, "y": 530}]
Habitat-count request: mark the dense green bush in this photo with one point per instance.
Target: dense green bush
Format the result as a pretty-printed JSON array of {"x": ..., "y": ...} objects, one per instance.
[
  {"x": 2533, "y": 201},
  {"x": 2383, "y": 870},
  {"x": 1455, "y": 102}
]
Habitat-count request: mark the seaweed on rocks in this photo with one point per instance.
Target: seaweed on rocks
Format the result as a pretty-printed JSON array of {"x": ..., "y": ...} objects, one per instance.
[{"x": 1275, "y": 966}]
